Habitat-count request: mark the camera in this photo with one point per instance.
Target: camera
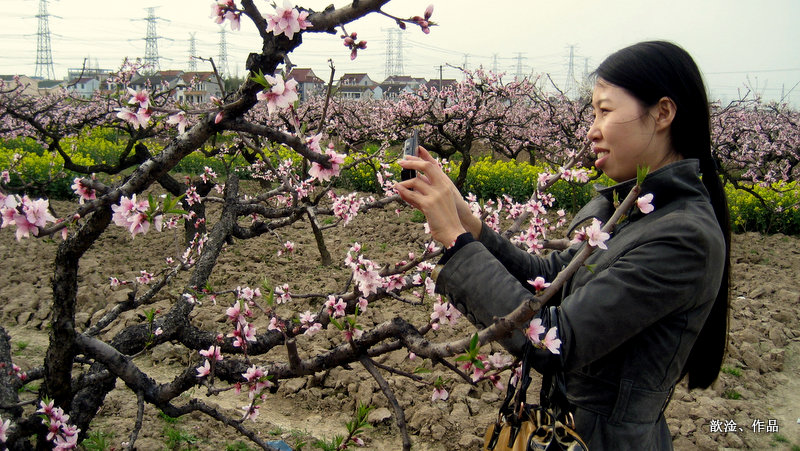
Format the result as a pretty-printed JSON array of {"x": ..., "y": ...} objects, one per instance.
[{"x": 410, "y": 148}]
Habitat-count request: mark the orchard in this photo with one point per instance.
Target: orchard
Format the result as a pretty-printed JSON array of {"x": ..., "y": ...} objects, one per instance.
[{"x": 241, "y": 266}]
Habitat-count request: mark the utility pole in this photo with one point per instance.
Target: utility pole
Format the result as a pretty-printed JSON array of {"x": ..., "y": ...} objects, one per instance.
[
  {"x": 494, "y": 63},
  {"x": 44, "y": 55}
]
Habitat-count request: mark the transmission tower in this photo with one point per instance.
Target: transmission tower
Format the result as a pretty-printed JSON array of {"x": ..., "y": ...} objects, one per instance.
[
  {"x": 394, "y": 52},
  {"x": 222, "y": 65},
  {"x": 398, "y": 59},
  {"x": 571, "y": 83},
  {"x": 494, "y": 62},
  {"x": 192, "y": 53},
  {"x": 44, "y": 55},
  {"x": 519, "y": 58},
  {"x": 151, "y": 58},
  {"x": 389, "y": 69}
]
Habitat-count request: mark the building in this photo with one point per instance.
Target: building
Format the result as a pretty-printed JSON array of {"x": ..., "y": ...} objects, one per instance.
[
  {"x": 441, "y": 84},
  {"x": 83, "y": 87},
  {"x": 356, "y": 86},
  {"x": 30, "y": 85},
  {"x": 396, "y": 85},
  {"x": 197, "y": 87},
  {"x": 308, "y": 84}
]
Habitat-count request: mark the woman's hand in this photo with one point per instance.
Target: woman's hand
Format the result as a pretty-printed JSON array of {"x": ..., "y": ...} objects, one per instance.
[{"x": 433, "y": 193}]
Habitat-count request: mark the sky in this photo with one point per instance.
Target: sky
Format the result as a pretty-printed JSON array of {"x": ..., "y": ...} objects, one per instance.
[{"x": 738, "y": 44}]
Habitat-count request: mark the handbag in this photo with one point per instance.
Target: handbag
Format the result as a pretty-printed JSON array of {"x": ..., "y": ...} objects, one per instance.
[{"x": 548, "y": 425}]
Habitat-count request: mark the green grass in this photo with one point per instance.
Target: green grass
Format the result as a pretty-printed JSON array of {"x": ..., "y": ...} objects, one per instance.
[
  {"x": 97, "y": 441},
  {"x": 732, "y": 371},
  {"x": 731, "y": 394},
  {"x": 418, "y": 217},
  {"x": 237, "y": 446},
  {"x": 21, "y": 347}
]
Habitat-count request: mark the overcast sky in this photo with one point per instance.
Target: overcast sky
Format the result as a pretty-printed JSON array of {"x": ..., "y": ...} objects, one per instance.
[{"x": 735, "y": 42}]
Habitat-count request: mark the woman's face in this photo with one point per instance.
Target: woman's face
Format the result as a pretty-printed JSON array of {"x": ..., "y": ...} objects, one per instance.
[{"x": 623, "y": 134}]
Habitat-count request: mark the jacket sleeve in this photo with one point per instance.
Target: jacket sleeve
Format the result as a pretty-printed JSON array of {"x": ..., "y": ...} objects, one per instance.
[
  {"x": 481, "y": 288},
  {"x": 523, "y": 265}
]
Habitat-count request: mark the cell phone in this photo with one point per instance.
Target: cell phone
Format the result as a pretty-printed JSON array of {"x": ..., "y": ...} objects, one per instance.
[{"x": 410, "y": 148}]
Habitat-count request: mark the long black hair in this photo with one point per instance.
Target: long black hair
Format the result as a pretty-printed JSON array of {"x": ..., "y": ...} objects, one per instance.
[{"x": 652, "y": 70}]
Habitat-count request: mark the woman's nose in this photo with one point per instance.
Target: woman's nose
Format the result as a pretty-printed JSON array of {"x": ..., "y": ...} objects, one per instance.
[{"x": 594, "y": 133}]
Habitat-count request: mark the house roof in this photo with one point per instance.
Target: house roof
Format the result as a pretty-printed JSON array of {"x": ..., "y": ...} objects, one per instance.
[
  {"x": 83, "y": 80},
  {"x": 355, "y": 78},
  {"x": 170, "y": 73},
  {"x": 441, "y": 84},
  {"x": 403, "y": 80},
  {"x": 304, "y": 75},
  {"x": 201, "y": 76},
  {"x": 354, "y": 88}
]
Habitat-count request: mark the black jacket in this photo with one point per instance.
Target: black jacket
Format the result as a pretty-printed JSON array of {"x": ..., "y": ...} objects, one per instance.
[{"x": 626, "y": 326}]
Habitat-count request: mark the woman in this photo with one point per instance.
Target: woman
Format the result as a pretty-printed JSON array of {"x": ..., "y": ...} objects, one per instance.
[{"x": 654, "y": 307}]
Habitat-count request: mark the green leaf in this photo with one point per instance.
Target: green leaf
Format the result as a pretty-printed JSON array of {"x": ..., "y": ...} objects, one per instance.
[
  {"x": 590, "y": 268},
  {"x": 421, "y": 370},
  {"x": 641, "y": 173},
  {"x": 337, "y": 324},
  {"x": 463, "y": 358},
  {"x": 474, "y": 343},
  {"x": 259, "y": 78}
]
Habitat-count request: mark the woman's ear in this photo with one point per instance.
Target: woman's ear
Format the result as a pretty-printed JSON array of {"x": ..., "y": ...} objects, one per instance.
[{"x": 664, "y": 113}]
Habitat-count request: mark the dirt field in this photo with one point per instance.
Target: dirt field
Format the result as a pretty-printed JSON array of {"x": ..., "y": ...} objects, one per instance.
[{"x": 755, "y": 404}]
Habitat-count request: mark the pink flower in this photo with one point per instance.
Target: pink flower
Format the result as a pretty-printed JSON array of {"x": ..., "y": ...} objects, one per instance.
[
  {"x": 499, "y": 360},
  {"x": 140, "y": 97},
  {"x": 645, "y": 203},
  {"x": 596, "y": 236},
  {"x": 534, "y": 329},
  {"x": 287, "y": 20},
  {"x": 213, "y": 352},
  {"x": 539, "y": 284},
  {"x": 439, "y": 312},
  {"x": 251, "y": 412},
  {"x": 234, "y": 17},
  {"x": 203, "y": 371},
  {"x": 129, "y": 116},
  {"x": 37, "y": 211},
  {"x": 320, "y": 173},
  {"x": 307, "y": 318},
  {"x": 439, "y": 394},
  {"x": 218, "y": 118},
  {"x": 339, "y": 308},
  {"x": 180, "y": 120},
  {"x": 4, "y": 426},
  {"x": 5, "y": 177},
  {"x": 280, "y": 95},
  {"x": 253, "y": 374},
  {"x": 85, "y": 192},
  {"x": 313, "y": 329},
  {"x": 551, "y": 342}
]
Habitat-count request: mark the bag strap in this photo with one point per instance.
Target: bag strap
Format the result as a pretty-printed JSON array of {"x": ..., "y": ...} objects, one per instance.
[{"x": 518, "y": 392}]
